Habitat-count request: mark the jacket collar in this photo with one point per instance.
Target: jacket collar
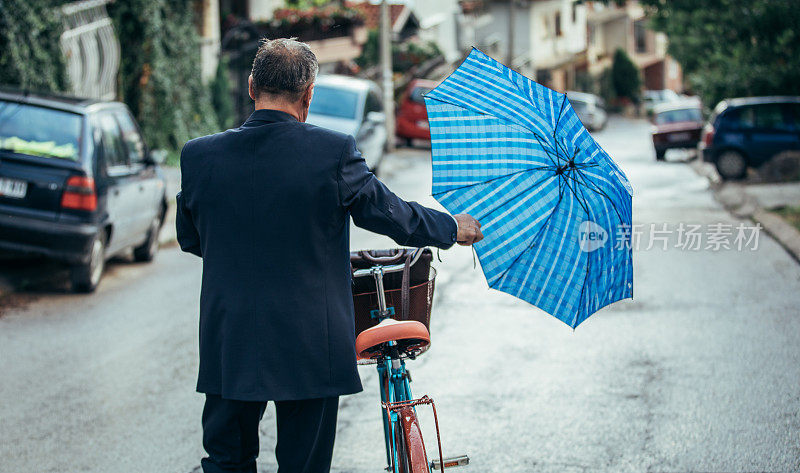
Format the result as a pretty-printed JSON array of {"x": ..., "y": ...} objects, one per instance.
[{"x": 264, "y": 116}]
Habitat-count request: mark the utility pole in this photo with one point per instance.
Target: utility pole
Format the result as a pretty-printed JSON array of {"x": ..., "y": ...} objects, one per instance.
[
  {"x": 386, "y": 73},
  {"x": 510, "y": 58}
]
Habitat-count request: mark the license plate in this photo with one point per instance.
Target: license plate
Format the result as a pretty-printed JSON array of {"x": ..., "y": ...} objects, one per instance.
[
  {"x": 13, "y": 188},
  {"x": 679, "y": 136}
]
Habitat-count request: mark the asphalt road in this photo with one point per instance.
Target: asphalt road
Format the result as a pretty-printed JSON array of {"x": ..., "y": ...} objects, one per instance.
[{"x": 700, "y": 372}]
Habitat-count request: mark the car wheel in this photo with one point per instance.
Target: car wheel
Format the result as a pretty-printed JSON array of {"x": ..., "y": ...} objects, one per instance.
[
  {"x": 660, "y": 154},
  {"x": 731, "y": 165},
  {"x": 86, "y": 276},
  {"x": 409, "y": 142},
  {"x": 147, "y": 251}
]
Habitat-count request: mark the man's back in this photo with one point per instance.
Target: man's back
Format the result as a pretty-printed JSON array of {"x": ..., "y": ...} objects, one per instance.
[{"x": 266, "y": 206}]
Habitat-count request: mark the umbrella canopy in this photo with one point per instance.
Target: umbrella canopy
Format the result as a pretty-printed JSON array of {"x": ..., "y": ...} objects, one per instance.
[{"x": 555, "y": 209}]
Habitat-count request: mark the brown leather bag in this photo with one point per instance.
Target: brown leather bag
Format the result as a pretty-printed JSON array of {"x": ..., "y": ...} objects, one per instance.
[{"x": 408, "y": 292}]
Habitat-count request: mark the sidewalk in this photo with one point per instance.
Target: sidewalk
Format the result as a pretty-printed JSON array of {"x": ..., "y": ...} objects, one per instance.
[{"x": 757, "y": 202}]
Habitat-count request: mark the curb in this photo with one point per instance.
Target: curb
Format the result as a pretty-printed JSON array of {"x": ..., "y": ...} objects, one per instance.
[
  {"x": 784, "y": 233},
  {"x": 735, "y": 200}
]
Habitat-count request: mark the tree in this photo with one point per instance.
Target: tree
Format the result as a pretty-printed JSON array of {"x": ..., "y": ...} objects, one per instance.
[
  {"x": 625, "y": 76},
  {"x": 160, "y": 70},
  {"x": 730, "y": 48},
  {"x": 30, "y": 52}
]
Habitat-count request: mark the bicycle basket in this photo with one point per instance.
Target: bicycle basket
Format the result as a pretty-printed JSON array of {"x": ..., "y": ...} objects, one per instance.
[{"x": 421, "y": 280}]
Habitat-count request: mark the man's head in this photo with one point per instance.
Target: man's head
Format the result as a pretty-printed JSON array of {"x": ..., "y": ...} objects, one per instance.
[{"x": 283, "y": 76}]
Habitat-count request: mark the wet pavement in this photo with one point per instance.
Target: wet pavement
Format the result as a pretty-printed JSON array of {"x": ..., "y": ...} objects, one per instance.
[{"x": 700, "y": 372}]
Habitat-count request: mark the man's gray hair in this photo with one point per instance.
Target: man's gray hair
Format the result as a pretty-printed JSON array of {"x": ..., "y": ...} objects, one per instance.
[{"x": 284, "y": 67}]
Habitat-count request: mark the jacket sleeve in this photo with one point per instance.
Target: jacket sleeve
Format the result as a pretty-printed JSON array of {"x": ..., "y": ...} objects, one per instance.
[
  {"x": 374, "y": 207},
  {"x": 188, "y": 238}
]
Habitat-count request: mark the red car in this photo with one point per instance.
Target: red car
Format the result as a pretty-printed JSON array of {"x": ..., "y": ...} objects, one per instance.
[
  {"x": 412, "y": 118},
  {"x": 676, "y": 125}
]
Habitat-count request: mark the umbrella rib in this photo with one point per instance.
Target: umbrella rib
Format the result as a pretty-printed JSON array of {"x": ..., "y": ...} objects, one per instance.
[
  {"x": 537, "y": 168},
  {"x": 599, "y": 191},
  {"x": 588, "y": 255},
  {"x": 536, "y": 237}
]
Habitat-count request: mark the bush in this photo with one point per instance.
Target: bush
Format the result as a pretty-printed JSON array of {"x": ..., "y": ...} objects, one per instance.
[
  {"x": 159, "y": 75},
  {"x": 625, "y": 76},
  {"x": 30, "y": 52},
  {"x": 222, "y": 95}
]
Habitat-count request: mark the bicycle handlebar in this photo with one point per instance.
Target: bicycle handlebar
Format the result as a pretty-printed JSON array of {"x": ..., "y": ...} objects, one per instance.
[{"x": 388, "y": 269}]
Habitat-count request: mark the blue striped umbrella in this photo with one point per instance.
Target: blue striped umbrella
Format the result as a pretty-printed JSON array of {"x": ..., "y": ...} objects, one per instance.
[{"x": 555, "y": 208}]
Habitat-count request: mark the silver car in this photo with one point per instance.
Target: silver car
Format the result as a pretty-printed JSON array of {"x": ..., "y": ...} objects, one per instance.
[
  {"x": 590, "y": 109},
  {"x": 353, "y": 106}
]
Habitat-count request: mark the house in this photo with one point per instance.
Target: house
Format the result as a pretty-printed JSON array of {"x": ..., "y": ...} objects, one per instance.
[
  {"x": 612, "y": 27},
  {"x": 548, "y": 38}
]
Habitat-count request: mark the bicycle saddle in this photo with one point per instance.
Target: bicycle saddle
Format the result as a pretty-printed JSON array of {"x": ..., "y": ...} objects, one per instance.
[{"x": 410, "y": 336}]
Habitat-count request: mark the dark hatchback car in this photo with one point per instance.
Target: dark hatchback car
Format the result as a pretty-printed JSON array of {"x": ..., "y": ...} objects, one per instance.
[
  {"x": 77, "y": 183},
  {"x": 749, "y": 131}
]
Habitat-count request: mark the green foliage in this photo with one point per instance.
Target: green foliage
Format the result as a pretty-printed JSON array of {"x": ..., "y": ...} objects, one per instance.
[
  {"x": 730, "y": 48},
  {"x": 404, "y": 55},
  {"x": 371, "y": 51},
  {"x": 222, "y": 95},
  {"x": 30, "y": 53},
  {"x": 160, "y": 70},
  {"x": 625, "y": 77}
]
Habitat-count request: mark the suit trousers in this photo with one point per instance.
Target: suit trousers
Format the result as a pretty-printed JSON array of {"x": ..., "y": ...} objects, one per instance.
[{"x": 306, "y": 433}]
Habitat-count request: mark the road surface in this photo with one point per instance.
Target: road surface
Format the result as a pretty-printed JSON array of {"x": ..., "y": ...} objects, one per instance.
[{"x": 700, "y": 372}]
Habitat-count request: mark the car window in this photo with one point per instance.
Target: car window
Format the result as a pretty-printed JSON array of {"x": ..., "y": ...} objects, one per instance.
[
  {"x": 679, "y": 115},
  {"x": 40, "y": 131},
  {"x": 771, "y": 116},
  {"x": 418, "y": 94},
  {"x": 131, "y": 139},
  {"x": 114, "y": 152},
  {"x": 334, "y": 102},
  {"x": 740, "y": 118},
  {"x": 373, "y": 103},
  {"x": 578, "y": 105}
]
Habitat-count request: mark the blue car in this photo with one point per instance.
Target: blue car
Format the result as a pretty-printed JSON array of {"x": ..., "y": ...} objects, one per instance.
[{"x": 748, "y": 132}]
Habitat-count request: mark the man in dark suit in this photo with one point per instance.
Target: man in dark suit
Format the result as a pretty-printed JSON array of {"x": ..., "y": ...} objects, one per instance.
[{"x": 267, "y": 206}]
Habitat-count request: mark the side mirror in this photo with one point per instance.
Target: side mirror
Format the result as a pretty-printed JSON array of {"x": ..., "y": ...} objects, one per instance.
[
  {"x": 376, "y": 117},
  {"x": 157, "y": 156}
]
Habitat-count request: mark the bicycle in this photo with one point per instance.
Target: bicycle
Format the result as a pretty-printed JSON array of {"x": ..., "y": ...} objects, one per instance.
[{"x": 388, "y": 343}]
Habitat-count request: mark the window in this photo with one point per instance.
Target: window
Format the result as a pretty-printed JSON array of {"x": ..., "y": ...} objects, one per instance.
[
  {"x": 334, "y": 102},
  {"x": 131, "y": 138},
  {"x": 373, "y": 103},
  {"x": 418, "y": 94},
  {"x": 574, "y": 12},
  {"x": 114, "y": 153},
  {"x": 559, "y": 32},
  {"x": 770, "y": 116},
  {"x": 39, "y": 131},
  {"x": 680, "y": 115},
  {"x": 741, "y": 118},
  {"x": 640, "y": 36}
]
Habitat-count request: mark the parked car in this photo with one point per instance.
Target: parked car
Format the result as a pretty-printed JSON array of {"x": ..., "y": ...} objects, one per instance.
[
  {"x": 749, "y": 131},
  {"x": 353, "y": 106},
  {"x": 77, "y": 183},
  {"x": 412, "y": 116},
  {"x": 590, "y": 108},
  {"x": 652, "y": 98},
  {"x": 676, "y": 125}
]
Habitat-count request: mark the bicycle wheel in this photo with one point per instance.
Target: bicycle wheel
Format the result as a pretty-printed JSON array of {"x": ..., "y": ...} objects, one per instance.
[{"x": 411, "y": 454}]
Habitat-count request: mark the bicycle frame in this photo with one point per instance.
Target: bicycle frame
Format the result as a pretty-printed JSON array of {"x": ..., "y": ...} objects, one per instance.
[{"x": 394, "y": 379}]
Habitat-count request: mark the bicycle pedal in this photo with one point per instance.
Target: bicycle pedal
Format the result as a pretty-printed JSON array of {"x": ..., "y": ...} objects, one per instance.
[{"x": 461, "y": 460}]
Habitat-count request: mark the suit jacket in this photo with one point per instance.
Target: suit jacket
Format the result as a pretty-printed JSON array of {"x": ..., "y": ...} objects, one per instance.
[{"x": 267, "y": 206}]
